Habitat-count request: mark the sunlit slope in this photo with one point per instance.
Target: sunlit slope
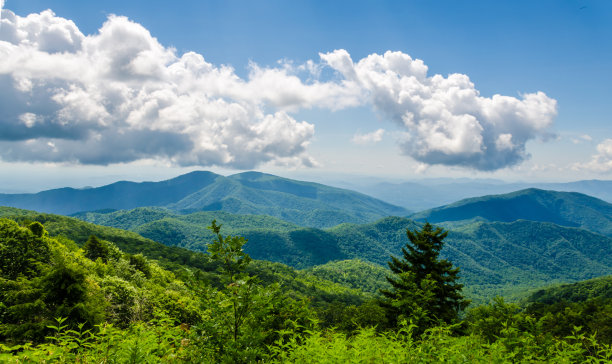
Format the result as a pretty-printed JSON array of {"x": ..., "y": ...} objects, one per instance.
[
  {"x": 303, "y": 284},
  {"x": 494, "y": 257}
]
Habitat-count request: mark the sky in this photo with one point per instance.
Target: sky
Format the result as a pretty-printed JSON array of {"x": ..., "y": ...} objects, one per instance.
[{"x": 97, "y": 91}]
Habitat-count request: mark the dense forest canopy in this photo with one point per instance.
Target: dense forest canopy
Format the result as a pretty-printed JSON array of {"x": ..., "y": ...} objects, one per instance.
[{"x": 87, "y": 300}]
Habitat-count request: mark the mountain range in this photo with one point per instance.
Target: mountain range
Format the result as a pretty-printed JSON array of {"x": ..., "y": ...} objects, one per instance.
[
  {"x": 502, "y": 243},
  {"x": 303, "y": 203},
  {"x": 429, "y": 193}
]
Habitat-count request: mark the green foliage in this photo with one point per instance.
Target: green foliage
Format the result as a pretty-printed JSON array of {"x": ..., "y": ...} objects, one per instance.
[
  {"x": 139, "y": 262},
  {"x": 229, "y": 253},
  {"x": 20, "y": 248},
  {"x": 54, "y": 279},
  {"x": 600, "y": 287},
  {"x": 593, "y": 316},
  {"x": 496, "y": 258},
  {"x": 489, "y": 320},
  {"x": 157, "y": 341},
  {"x": 353, "y": 273},
  {"x": 66, "y": 308},
  {"x": 437, "y": 344},
  {"x": 94, "y": 249},
  {"x": 424, "y": 287}
]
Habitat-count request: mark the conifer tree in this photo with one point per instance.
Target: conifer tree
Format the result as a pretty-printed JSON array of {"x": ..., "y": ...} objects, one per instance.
[
  {"x": 424, "y": 287},
  {"x": 94, "y": 249}
]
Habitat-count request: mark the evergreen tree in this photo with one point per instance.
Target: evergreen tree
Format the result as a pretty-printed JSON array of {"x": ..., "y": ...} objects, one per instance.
[
  {"x": 94, "y": 249},
  {"x": 424, "y": 287}
]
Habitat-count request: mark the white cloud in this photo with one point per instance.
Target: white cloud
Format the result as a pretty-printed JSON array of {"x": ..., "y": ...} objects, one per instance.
[
  {"x": 449, "y": 123},
  {"x": 600, "y": 162},
  {"x": 119, "y": 96},
  {"x": 369, "y": 138}
]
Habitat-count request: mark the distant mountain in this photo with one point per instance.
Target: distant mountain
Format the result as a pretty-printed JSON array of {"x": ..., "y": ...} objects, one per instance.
[
  {"x": 494, "y": 257},
  {"x": 426, "y": 194},
  {"x": 562, "y": 208},
  {"x": 303, "y": 203},
  {"x": 119, "y": 195}
]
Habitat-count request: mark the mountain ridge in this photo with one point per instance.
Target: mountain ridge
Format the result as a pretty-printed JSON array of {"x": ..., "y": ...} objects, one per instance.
[
  {"x": 305, "y": 203},
  {"x": 570, "y": 209}
]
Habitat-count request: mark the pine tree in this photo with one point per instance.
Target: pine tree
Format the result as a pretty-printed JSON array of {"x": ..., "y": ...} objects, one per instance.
[{"x": 424, "y": 287}]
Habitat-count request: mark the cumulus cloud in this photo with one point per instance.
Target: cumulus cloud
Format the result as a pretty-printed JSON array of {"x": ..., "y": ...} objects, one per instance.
[
  {"x": 447, "y": 120},
  {"x": 369, "y": 138},
  {"x": 600, "y": 162},
  {"x": 119, "y": 96}
]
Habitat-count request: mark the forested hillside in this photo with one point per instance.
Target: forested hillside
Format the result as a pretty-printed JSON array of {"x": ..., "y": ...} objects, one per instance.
[
  {"x": 600, "y": 287},
  {"x": 495, "y": 258},
  {"x": 88, "y": 301},
  {"x": 177, "y": 259},
  {"x": 562, "y": 208}
]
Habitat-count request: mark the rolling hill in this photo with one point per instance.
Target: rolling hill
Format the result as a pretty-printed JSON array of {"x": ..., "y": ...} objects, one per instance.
[
  {"x": 562, "y": 208},
  {"x": 270, "y": 238},
  {"x": 303, "y": 203},
  {"x": 494, "y": 257},
  {"x": 74, "y": 233}
]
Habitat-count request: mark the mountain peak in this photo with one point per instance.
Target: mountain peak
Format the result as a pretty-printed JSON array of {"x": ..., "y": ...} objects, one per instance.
[{"x": 571, "y": 209}]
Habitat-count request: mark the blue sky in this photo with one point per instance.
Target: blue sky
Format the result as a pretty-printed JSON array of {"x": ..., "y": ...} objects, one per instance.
[{"x": 334, "y": 120}]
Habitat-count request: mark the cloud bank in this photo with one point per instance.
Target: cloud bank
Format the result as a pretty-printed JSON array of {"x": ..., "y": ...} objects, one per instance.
[{"x": 120, "y": 96}]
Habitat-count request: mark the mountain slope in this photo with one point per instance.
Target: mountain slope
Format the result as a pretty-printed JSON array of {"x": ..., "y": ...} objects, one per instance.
[
  {"x": 562, "y": 208},
  {"x": 304, "y": 284},
  {"x": 269, "y": 238},
  {"x": 494, "y": 257},
  {"x": 119, "y": 195},
  {"x": 303, "y": 203}
]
